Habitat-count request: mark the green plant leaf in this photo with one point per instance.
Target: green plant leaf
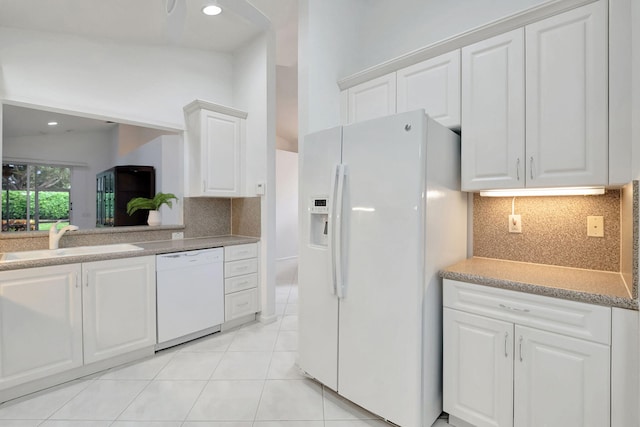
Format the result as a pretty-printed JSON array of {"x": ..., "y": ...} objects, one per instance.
[{"x": 158, "y": 200}]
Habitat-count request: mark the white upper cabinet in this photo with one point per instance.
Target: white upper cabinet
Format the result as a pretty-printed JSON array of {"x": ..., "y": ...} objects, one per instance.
[
  {"x": 40, "y": 323},
  {"x": 566, "y": 102},
  {"x": 216, "y": 152},
  {"x": 434, "y": 85},
  {"x": 543, "y": 124},
  {"x": 372, "y": 99},
  {"x": 493, "y": 140}
]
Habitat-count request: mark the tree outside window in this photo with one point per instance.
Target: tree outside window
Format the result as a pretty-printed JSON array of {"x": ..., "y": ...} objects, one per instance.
[{"x": 34, "y": 196}]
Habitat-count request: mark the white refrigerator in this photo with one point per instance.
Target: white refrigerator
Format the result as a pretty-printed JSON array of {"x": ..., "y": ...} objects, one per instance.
[{"x": 381, "y": 212}]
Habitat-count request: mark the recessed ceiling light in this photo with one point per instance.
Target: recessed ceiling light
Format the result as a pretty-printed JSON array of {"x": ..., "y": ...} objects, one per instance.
[
  {"x": 212, "y": 10},
  {"x": 53, "y": 123}
]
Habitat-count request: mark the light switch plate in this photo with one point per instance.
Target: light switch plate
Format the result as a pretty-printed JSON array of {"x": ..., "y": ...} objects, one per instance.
[{"x": 595, "y": 226}]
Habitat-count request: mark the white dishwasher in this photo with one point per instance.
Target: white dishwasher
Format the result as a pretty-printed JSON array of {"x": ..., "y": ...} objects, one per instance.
[{"x": 190, "y": 295}]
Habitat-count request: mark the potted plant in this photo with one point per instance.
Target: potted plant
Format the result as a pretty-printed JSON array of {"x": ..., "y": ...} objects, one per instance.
[{"x": 153, "y": 205}]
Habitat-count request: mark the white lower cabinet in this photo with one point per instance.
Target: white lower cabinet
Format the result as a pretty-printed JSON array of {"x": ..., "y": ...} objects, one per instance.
[
  {"x": 240, "y": 281},
  {"x": 119, "y": 301},
  {"x": 560, "y": 381},
  {"x": 40, "y": 323},
  {"x": 514, "y": 359},
  {"x": 478, "y": 368},
  {"x": 59, "y": 318}
]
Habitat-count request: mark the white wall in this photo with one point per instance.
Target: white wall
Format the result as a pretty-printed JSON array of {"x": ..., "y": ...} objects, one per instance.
[
  {"x": 129, "y": 83},
  {"x": 326, "y": 47},
  {"x": 254, "y": 92},
  {"x": 391, "y": 28},
  {"x": 286, "y": 205}
]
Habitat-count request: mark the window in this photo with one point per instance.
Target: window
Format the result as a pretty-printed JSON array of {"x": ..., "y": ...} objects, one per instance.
[{"x": 34, "y": 196}]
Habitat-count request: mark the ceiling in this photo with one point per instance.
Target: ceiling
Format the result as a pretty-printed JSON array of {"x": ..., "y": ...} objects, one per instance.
[
  {"x": 19, "y": 121},
  {"x": 144, "y": 22},
  {"x": 159, "y": 23}
]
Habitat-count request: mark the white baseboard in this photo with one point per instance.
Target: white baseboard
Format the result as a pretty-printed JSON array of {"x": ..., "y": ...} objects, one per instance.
[{"x": 266, "y": 319}]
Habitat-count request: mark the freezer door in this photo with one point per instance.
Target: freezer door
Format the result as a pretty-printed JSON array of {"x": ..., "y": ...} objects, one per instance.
[
  {"x": 318, "y": 305},
  {"x": 379, "y": 365}
]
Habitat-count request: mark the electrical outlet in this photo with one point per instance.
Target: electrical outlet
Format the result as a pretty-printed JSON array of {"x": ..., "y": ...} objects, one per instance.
[
  {"x": 595, "y": 226},
  {"x": 515, "y": 224},
  {"x": 177, "y": 235}
]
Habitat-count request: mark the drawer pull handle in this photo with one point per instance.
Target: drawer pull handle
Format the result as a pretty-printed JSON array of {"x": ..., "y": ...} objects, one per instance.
[
  {"x": 531, "y": 167},
  {"x": 506, "y": 339},
  {"x": 243, "y": 304},
  {"x": 521, "y": 347},
  {"x": 242, "y": 268},
  {"x": 521, "y": 310}
]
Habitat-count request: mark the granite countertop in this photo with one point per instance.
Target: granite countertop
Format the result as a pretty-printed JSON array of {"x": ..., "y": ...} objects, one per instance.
[
  {"x": 590, "y": 286},
  {"x": 148, "y": 248}
]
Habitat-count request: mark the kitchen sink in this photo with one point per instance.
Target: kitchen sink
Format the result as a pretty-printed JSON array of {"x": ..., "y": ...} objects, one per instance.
[{"x": 62, "y": 252}]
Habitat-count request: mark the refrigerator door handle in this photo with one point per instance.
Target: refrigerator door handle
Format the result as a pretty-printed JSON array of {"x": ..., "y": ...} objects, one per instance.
[
  {"x": 331, "y": 228},
  {"x": 339, "y": 222}
]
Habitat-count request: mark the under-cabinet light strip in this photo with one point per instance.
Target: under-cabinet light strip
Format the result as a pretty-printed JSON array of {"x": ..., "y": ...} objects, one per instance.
[{"x": 565, "y": 191}]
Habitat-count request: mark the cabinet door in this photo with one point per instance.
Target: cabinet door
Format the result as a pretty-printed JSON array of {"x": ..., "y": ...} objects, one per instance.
[
  {"x": 560, "y": 381},
  {"x": 477, "y": 369},
  {"x": 222, "y": 154},
  {"x": 375, "y": 98},
  {"x": 434, "y": 85},
  {"x": 566, "y": 102},
  {"x": 119, "y": 307},
  {"x": 40, "y": 323},
  {"x": 493, "y": 115}
]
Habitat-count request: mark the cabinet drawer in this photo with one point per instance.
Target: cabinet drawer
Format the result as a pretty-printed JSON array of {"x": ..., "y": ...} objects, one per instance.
[
  {"x": 240, "y": 283},
  {"x": 237, "y": 268},
  {"x": 576, "y": 319},
  {"x": 240, "y": 304},
  {"x": 236, "y": 252}
]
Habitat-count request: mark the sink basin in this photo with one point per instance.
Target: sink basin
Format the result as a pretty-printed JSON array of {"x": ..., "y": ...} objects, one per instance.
[{"x": 62, "y": 252}]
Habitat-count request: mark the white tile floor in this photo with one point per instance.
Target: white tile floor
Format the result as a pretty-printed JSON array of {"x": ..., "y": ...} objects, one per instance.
[{"x": 241, "y": 378}]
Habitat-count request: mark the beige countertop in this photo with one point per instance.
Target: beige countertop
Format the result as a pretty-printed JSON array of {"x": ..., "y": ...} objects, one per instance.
[
  {"x": 148, "y": 248},
  {"x": 590, "y": 286}
]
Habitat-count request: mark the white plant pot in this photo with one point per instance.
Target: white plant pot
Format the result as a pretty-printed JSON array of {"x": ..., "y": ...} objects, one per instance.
[{"x": 154, "y": 218}]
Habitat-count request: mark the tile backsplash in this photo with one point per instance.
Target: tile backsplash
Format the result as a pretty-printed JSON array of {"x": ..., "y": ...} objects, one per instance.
[
  {"x": 203, "y": 217},
  {"x": 206, "y": 216},
  {"x": 554, "y": 230},
  {"x": 245, "y": 216}
]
